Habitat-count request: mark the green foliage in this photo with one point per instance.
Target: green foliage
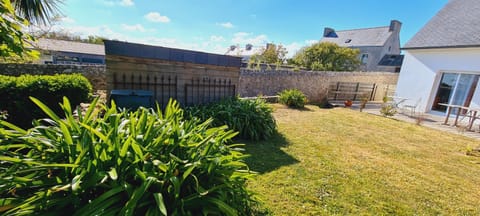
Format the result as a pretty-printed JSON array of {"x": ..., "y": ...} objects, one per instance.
[
  {"x": 273, "y": 54},
  {"x": 251, "y": 118},
  {"x": 327, "y": 56},
  {"x": 39, "y": 12},
  {"x": 12, "y": 37},
  {"x": 388, "y": 108},
  {"x": 293, "y": 98},
  {"x": 15, "y": 93},
  {"x": 121, "y": 163}
]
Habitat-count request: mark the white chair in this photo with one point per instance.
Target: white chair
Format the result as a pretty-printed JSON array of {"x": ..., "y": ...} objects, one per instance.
[{"x": 411, "y": 106}]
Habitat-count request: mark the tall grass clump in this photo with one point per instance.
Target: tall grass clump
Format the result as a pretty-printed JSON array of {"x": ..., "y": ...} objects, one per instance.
[
  {"x": 146, "y": 162},
  {"x": 251, "y": 118},
  {"x": 293, "y": 98}
]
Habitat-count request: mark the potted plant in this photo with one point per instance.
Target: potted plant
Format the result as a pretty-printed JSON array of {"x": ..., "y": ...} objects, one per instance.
[{"x": 348, "y": 103}]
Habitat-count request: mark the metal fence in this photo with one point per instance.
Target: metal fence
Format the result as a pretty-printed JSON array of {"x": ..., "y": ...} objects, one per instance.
[
  {"x": 163, "y": 87},
  {"x": 202, "y": 91}
]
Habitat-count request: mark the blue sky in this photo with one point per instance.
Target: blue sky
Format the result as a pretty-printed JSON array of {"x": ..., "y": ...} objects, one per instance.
[{"x": 214, "y": 25}]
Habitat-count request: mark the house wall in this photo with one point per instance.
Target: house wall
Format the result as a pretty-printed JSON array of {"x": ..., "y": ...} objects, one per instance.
[
  {"x": 374, "y": 56},
  {"x": 421, "y": 73}
]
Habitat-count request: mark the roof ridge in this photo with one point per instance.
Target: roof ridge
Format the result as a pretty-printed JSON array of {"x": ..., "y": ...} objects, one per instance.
[
  {"x": 69, "y": 41},
  {"x": 362, "y": 28}
]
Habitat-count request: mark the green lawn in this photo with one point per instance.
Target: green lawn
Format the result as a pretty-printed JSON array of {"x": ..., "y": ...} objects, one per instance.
[{"x": 344, "y": 162}]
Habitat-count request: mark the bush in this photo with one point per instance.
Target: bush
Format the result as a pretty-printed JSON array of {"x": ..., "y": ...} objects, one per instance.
[
  {"x": 293, "y": 98},
  {"x": 251, "y": 118},
  {"x": 14, "y": 93},
  {"x": 122, "y": 163}
]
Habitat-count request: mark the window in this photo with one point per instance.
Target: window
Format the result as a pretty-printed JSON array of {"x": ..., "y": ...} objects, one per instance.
[
  {"x": 455, "y": 89},
  {"x": 364, "y": 58}
]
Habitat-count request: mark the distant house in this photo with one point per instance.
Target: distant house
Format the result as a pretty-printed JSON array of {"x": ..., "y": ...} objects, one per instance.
[
  {"x": 69, "y": 52},
  {"x": 245, "y": 52},
  {"x": 379, "y": 46},
  {"x": 442, "y": 60}
]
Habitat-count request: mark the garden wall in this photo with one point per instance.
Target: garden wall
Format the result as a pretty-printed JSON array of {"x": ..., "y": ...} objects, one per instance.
[
  {"x": 314, "y": 84},
  {"x": 95, "y": 74},
  {"x": 251, "y": 82}
]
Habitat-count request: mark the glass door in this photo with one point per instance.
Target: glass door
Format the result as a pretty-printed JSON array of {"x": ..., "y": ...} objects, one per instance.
[{"x": 455, "y": 89}]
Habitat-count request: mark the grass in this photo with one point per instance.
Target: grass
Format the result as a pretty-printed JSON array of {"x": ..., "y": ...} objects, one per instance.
[{"x": 344, "y": 162}]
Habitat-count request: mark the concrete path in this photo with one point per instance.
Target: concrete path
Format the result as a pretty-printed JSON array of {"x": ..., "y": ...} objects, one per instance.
[{"x": 429, "y": 120}]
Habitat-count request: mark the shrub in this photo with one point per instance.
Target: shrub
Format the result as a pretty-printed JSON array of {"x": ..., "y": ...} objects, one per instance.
[
  {"x": 14, "y": 93},
  {"x": 251, "y": 118},
  {"x": 121, "y": 163},
  {"x": 293, "y": 98},
  {"x": 387, "y": 108}
]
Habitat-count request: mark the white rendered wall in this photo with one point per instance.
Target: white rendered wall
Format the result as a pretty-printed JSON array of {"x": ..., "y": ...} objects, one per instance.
[{"x": 421, "y": 73}]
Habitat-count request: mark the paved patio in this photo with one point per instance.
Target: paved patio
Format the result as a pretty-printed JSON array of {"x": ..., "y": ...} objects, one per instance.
[{"x": 429, "y": 120}]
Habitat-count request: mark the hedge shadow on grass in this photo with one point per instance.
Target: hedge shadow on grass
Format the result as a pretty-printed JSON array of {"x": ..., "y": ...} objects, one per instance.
[{"x": 267, "y": 155}]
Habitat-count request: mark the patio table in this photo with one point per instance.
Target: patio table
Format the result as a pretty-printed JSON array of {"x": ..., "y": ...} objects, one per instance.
[{"x": 459, "y": 108}]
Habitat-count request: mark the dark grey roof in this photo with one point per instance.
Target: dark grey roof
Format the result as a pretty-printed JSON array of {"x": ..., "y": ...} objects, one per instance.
[
  {"x": 170, "y": 54},
  {"x": 70, "y": 46},
  {"x": 456, "y": 25},
  {"x": 360, "y": 37},
  {"x": 391, "y": 60}
]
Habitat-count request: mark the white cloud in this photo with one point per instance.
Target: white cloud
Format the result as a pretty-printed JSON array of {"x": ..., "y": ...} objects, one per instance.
[
  {"x": 247, "y": 38},
  {"x": 310, "y": 42},
  {"x": 215, "y": 38},
  {"x": 136, "y": 27},
  {"x": 156, "y": 17},
  {"x": 127, "y": 3},
  {"x": 67, "y": 20},
  {"x": 226, "y": 25}
]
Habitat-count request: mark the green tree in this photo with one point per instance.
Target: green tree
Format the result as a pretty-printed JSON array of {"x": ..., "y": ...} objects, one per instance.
[
  {"x": 16, "y": 15},
  {"x": 273, "y": 54},
  {"x": 37, "y": 11},
  {"x": 12, "y": 38},
  {"x": 327, "y": 56}
]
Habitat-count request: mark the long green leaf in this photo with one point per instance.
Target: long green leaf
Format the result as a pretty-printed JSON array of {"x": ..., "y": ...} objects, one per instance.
[
  {"x": 160, "y": 203},
  {"x": 45, "y": 109}
]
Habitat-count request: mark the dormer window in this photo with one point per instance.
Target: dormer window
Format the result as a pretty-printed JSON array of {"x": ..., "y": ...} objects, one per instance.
[{"x": 348, "y": 40}]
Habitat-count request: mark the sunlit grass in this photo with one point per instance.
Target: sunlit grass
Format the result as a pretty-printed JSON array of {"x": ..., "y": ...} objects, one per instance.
[{"x": 341, "y": 161}]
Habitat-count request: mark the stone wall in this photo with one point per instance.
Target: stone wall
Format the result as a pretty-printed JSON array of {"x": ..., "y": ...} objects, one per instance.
[
  {"x": 251, "y": 82},
  {"x": 313, "y": 84},
  {"x": 96, "y": 74}
]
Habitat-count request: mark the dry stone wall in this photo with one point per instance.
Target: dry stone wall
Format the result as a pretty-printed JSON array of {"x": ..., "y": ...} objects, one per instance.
[{"x": 314, "y": 84}]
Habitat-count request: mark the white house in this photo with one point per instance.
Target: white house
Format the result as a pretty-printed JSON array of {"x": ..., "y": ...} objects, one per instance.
[{"x": 442, "y": 61}]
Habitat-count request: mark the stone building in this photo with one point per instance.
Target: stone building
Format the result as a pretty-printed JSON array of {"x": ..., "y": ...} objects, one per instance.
[{"x": 379, "y": 46}]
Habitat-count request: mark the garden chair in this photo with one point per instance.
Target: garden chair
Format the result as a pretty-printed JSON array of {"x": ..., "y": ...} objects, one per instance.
[{"x": 411, "y": 106}]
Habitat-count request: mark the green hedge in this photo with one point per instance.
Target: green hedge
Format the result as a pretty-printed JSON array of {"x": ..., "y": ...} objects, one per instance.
[{"x": 15, "y": 92}]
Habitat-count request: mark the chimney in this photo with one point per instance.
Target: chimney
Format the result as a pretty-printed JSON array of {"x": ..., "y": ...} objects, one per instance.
[
  {"x": 270, "y": 45},
  {"x": 329, "y": 32},
  {"x": 395, "y": 25}
]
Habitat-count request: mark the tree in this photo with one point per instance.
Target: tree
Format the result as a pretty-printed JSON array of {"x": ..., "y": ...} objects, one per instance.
[
  {"x": 37, "y": 12},
  {"x": 327, "y": 56},
  {"x": 12, "y": 38},
  {"x": 15, "y": 15},
  {"x": 273, "y": 54}
]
